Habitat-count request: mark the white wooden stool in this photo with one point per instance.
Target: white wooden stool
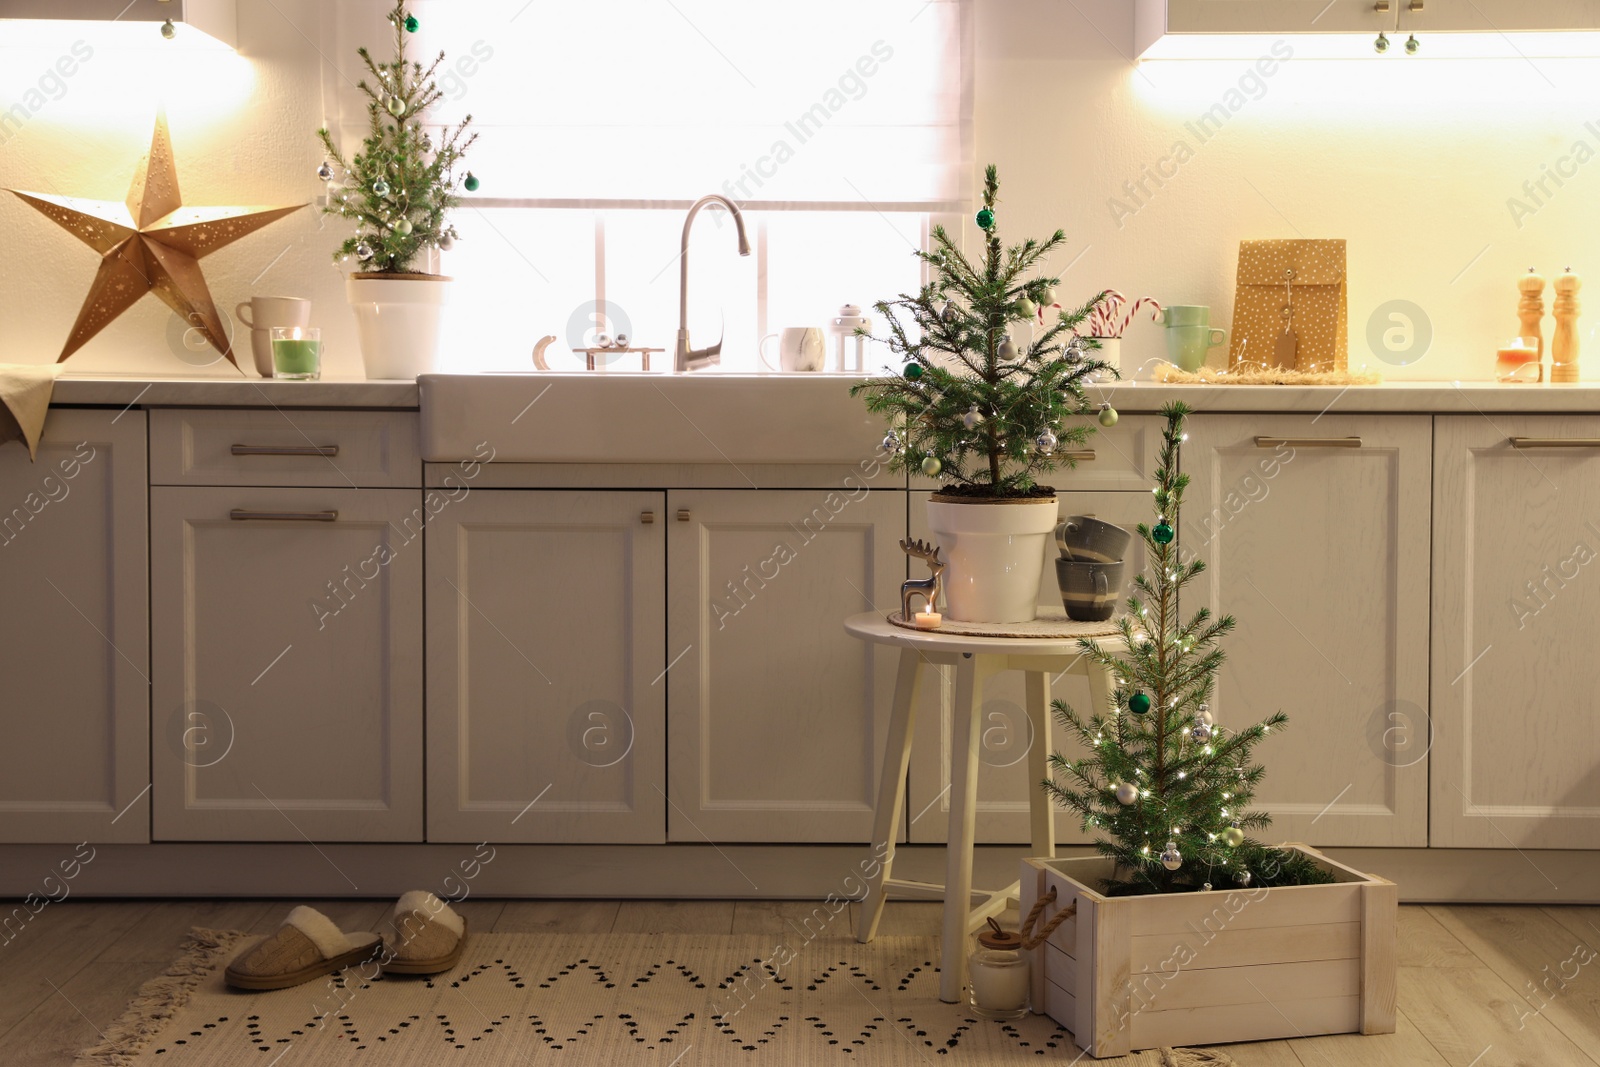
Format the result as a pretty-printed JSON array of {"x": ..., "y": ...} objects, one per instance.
[{"x": 975, "y": 659}]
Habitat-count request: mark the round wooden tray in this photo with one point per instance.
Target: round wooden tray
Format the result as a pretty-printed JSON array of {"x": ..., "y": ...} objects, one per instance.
[{"x": 1051, "y": 623}]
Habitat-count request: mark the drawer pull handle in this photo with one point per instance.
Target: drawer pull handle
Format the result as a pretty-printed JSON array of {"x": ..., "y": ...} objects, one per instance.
[
  {"x": 241, "y": 515},
  {"x": 1078, "y": 455},
  {"x": 1309, "y": 442},
  {"x": 647, "y": 517},
  {"x": 1555, "y": 442},
  {"x": 683, "y": 514},
  {"x": 285, "y": 450}
]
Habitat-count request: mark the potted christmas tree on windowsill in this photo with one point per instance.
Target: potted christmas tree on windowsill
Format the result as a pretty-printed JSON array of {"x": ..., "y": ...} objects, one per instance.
[
  {"x": 398, "y": 190},
  {"x": 1187, "y": 930},
  {"x": 985, "y": 402}
]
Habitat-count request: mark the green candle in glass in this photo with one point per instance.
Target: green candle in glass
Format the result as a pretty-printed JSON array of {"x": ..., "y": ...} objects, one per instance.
[{"x": 297, "y": 352}]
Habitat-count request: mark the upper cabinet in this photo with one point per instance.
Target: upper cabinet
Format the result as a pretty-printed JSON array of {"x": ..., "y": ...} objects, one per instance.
[{"x": 1225, "y": 28}]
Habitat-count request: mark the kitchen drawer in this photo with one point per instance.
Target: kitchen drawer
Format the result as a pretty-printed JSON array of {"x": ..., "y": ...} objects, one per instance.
[
  {"x": 1121, "y": 457},
  {"x": 346, "y": 449}
]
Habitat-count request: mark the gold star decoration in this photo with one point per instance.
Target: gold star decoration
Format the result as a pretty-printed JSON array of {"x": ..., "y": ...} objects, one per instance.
[{"x": 151, "y": 242}]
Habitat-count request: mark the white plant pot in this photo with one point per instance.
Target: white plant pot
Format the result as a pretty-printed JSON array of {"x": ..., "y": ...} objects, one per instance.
[
  {"x": 996, "y": 552},
  {"x": 397, "y": 320}
]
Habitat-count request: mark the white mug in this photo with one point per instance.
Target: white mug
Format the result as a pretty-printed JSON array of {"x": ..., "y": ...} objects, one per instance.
[
  {"x": 265, "y": 312},
  {"x": 800, "y": 348}
]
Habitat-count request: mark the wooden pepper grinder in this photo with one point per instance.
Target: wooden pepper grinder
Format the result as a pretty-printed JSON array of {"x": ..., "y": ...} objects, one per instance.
[
  {"x": 1564, "y": 342},
  {"x": 1531, "y": 308}
]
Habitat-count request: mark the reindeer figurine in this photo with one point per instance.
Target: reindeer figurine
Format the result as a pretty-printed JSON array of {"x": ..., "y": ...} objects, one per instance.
[{"x": 928, "y": 588}]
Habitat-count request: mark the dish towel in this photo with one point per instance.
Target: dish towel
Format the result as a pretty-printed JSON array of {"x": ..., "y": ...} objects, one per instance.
[{"x": 25, "y": 390}]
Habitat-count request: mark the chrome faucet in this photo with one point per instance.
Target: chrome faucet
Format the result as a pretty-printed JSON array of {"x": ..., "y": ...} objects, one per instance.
[{"x": 686, "y": 358}]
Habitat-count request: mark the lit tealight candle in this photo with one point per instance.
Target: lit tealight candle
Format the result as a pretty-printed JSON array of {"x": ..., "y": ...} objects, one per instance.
[{"x": 928, "y": 620}]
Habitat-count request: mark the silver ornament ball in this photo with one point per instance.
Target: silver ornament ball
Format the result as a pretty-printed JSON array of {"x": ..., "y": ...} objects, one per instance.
[
  {"x": 622, "y": 340},
  {"x": 1200, "y": 732},
  {"x": 363, "y": 250},
  {"x": 325, "y": 171},
  {"x": 949, "y": 313},
  {"x": 1007, "y": 349},
  {"x": 446, "y": 242},
  {"x": 380, "y": 188},
  {"x": 973, "y": 418},
  {"x": 1205, "y": 716},
  {"x": 602, "y": 340},
  {"x": 892, "y": 444},
  {"x": 1046, "y": 442},
  {"x": 1127, "y": 793},
  {"x": 1244, "y": 877},
  {"x": 1171, "y": 858}
]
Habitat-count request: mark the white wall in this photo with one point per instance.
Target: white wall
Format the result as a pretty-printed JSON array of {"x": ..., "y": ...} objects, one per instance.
[{"x": 1411, "y": 161}]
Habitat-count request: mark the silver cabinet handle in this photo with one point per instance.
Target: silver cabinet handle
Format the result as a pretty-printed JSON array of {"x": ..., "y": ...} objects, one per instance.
[
  {"x": 1309, "y": 442},
  {"x": 242, "y": 515},
  {"x": 1554, "y": 442},
  {"x": 683, "y": 514},
  {"x": 285, "y": 450},
  {"x": 647, "y": 517},
  {"x": 1078, "y": 455}
]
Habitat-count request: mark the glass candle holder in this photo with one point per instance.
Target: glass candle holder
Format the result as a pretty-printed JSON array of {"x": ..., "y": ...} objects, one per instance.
[
  {"x": 297, "y": 352},
  {"x": 998, "y": 973},
  {"x": 1518, "y": 361}
]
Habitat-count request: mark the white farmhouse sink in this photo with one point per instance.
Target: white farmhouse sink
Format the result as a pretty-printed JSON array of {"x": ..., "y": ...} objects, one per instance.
[{"x": 646, "y": 418}]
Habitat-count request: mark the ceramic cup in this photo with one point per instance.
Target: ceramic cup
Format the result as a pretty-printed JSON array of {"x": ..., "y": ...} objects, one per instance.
[
  {"x": 1187, "y": 345},
  {"x": 1082, "y": 537},
  {"x": 261, "y": 314},
  {"x": 800, "y": 348},
  {"x": 1089, "y": 591}
]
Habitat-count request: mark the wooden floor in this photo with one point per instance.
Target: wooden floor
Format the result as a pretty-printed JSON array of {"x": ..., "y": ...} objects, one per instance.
[{"x": 1480, "y": 986}]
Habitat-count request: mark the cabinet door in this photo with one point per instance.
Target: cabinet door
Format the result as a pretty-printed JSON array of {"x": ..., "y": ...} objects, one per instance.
[
  {"x": 1321, "y": 554},
  {"x": 287, "y": 664},
  {"x": 1516, "y": 757},
  {"x": 1004, "y": 786},
  {"x": 778, "y": 717},
  {"x": 1499, "y": 16},
  {"x": 74, "y": 636},
  {"x": 1274, "y": 16},
  {"x": 546, "y": 703}
]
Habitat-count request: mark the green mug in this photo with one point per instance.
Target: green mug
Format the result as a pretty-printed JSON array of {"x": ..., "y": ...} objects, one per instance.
[
  {"x": 1187, "y": 344},
  {"x": 1186, "y": 315}
]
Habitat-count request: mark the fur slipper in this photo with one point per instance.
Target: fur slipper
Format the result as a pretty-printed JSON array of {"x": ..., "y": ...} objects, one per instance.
[
  {"x": 425, "y": 935},
  {"x": 308, "y": 945}
]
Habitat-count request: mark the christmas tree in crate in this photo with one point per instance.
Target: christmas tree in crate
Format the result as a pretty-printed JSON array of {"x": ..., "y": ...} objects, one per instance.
[
  {"x": 1164, "y": 788},
  {"x": 400, "y": 187}
]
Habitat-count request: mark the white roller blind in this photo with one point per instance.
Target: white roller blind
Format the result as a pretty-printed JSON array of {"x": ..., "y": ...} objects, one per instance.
[{"x": 825, "y": 102}]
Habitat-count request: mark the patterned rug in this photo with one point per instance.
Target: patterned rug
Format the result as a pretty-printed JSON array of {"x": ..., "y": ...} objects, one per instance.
[{"x": 597, "y": 1000}]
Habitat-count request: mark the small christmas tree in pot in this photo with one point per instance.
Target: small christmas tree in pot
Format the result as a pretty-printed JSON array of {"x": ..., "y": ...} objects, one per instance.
[
  {"x": 985, "y": 402},
  {"x": 1165, "y": 789},
  {"x": 398, "y": 190}
]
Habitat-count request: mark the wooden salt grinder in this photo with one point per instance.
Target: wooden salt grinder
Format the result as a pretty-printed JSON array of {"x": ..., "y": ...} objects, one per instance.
[
  {"x": 1564, "y": 342},
  {"x": 1531, "y": 308}
]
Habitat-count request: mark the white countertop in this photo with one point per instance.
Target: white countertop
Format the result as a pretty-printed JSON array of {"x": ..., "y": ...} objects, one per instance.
[{"x": 147, "y": 390}]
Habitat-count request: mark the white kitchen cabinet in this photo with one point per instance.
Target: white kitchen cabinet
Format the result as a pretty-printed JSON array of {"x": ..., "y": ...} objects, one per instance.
[
  {"x": 1516, "y": 756},
  {"x": 777, "y": 717},
  {"x": 546, "y": 640},
  {"x": 1004, "y": 785},
  {"x": 287, "y": 664},
  {"x": 1321, "y": 552},
  {"x": 1186, "y": 23},
  {"x": 74, "y": 636},
  {"x": 1497, "y": 16}
]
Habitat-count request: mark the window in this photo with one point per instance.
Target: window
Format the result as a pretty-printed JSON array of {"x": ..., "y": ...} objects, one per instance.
[{"x": 840, "y": 128}]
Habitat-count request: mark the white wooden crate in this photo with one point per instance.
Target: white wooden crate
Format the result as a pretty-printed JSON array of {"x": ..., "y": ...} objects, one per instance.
[{"x": 1139, "y": 972}]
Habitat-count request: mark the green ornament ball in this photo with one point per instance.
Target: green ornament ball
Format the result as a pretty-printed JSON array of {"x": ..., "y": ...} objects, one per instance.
[
  {"x": 412, "y": 24},
  {"x": 1139, "y": 703},
  {"x": 913, "y": 371},
  {"x": 396, "y": 106},
  {"x": 1108, "y": 416},
  {"x": 1233, "y": 837},
  {"x": 931, "y": 466},
  {"x": 403, "y": 227},
  {"x": 1162, "y": 533},
  {"x": 985, "y": 218},
  {"x": 472, "y": 182}
]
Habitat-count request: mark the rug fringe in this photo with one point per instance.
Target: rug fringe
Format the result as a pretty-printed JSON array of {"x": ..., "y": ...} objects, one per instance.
[{"x": 159, "y": 999}]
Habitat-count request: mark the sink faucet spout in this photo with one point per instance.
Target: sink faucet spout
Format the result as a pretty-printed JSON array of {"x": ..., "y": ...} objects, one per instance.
[{"x": 687, "y": 358}]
